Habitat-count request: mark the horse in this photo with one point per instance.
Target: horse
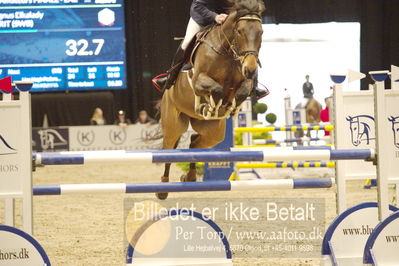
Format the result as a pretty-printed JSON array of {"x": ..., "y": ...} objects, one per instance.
[
  {"x": 225, "y": 65},
  {"x": 312, "y": 111}
]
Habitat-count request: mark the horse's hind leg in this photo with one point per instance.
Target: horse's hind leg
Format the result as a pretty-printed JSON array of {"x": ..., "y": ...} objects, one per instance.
[{"x": 174, "y": 124}]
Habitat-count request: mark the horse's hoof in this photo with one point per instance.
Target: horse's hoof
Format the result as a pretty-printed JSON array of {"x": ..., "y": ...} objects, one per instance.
[
  {"x": 186, "y": 178},
  {"x": 162, "y": 196}
]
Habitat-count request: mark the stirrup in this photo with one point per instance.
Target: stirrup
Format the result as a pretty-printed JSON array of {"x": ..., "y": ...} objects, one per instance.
[
  {"x": 260, "y": 93},
  {"x": 159, "y": 81}
]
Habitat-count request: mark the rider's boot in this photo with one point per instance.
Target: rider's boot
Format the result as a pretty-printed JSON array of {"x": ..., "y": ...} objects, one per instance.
[
  {"x": 257, "y": 92},
  {"x": 167, "y": 81}
]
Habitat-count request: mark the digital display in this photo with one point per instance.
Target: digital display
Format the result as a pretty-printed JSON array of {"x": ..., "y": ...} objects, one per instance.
[{"x": 63, "y": 44}]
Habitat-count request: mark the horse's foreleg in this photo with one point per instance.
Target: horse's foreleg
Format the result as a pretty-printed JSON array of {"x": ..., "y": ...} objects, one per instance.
[
  {"x": 212, "y": 91},
  {"x": 241, "y": 95},
  {"x": 165, "y": 176},
  {"x": 191, "y": 176},
  {"x": 206, "y": 86}
]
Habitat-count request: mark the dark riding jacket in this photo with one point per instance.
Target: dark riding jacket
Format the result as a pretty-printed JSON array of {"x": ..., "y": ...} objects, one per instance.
[
  {"x": 308, "y": 90},
  {"x": 204, "y": 11}
]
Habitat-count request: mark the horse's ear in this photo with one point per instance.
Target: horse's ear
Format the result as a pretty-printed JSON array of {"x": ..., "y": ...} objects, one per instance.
[
  {"x": 262, "y": 6},
  {"x": 230, "y": 3},
  {"x": 349, "y": 118},
  {"x": 391, "y": 119}
]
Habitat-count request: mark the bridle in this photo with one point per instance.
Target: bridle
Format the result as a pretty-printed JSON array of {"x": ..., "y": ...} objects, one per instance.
[{"x": 233, "y": 48}]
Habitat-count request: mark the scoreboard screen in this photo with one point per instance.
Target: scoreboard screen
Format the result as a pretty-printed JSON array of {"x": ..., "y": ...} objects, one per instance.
[{"x": 64, "y": 45}]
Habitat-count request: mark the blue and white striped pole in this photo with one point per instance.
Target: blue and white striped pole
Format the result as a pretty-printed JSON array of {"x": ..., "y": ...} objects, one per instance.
[
  {"x": 273, "y": 142},
  {"x": 191, "y": 156},
  {"x": 326, "y": 127},
  {"x": 183, "y": 186}
]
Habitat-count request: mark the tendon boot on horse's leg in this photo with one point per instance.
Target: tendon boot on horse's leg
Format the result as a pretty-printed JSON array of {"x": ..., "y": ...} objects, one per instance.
[
  {"x": 191, "y": 176},
  {"x": 257, "y": 92},
  {"x": 174, "y": 71},
  {"x": 165, "y": 179}
]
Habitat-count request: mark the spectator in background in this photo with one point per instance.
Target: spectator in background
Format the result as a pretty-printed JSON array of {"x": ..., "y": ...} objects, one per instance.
[
  {"x": 98, "y": 118},
  {"x": 122, "y": 121},
  {"x": 325, "y": 114},
  {"x": 144, "y": 118}
]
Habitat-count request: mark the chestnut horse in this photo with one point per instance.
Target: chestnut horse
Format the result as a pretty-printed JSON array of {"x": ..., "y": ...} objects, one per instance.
[
  {"x": 224, "y": 69},
  {"x": 312, "y": 110}
]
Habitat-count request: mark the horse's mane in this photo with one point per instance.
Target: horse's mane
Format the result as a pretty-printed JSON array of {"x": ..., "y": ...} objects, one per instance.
[{"x": 243, "y": 7}]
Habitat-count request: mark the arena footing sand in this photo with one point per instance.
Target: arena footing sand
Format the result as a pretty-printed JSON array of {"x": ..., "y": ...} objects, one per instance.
[{"x": 89, "y": 229}]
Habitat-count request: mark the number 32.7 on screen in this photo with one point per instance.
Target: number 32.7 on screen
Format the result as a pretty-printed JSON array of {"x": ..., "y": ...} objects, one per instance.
[{"x": 84, "y": 47}]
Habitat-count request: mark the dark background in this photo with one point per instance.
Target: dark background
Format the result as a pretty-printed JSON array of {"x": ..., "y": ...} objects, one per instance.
[{"x": 152, "y": 24}]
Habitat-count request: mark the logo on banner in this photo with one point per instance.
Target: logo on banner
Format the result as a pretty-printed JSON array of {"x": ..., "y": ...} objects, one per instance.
[
  {"x": 395, "y": 129},
  {"x": 5, "y": 148},
  {"x": 151, "y": 134},
  {"x": 86, "y": 138},
  {"x": 50, "y": 139},
  {"x": 117, "y": 136},
  {"x": 362, "y": 129}
]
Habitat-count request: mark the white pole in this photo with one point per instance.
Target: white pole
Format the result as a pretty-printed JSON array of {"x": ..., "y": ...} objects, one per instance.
[
  {"x": 395, "y": 86},
  {"x": 7, "y": 96},
  {"x": 26, "y": 160},
  {"x": 9, "y": 203},
  {"x": 247, "y": 110},
  {"x": 338, "y": 120},
  {"x": 382, "y": 142},
  {"x": 288, "y": 115}
]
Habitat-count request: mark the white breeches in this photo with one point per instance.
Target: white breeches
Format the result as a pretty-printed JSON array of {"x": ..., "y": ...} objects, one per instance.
[
  {"x": 305, "y": 102},
  {"x": 192, "y": 29}
]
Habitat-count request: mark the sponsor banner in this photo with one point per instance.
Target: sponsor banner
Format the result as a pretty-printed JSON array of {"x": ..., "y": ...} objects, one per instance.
[
  {"x": 50, "y": 139},
  {"x": 10, "y": 150},
  {"x": 91, "y": 138},
  {"x": 133, "y": 137},
  {"x": 19, "y": 248}
]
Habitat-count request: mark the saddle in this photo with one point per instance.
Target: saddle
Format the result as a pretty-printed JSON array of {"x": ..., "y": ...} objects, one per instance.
[
  {"x": 187, "y": 63},
  {"x": 193, "y": 47}
]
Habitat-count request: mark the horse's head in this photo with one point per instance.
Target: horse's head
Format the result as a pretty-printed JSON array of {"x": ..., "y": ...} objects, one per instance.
[{"x": 247, "y": 34}]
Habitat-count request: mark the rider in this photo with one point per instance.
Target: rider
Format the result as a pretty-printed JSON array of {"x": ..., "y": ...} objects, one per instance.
[
  {"x": 203, "y": 13},
  {"x": 308, "y": 91}
]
